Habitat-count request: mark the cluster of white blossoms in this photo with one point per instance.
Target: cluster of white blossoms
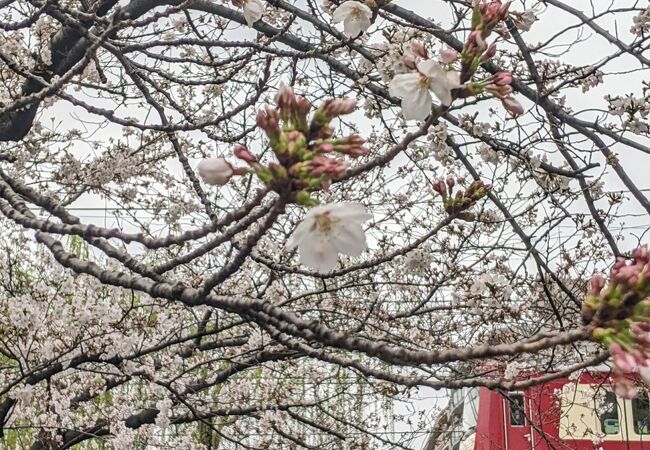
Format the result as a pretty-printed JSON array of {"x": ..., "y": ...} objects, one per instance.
[
  {"x": 633, "y": 111},
  {"x": 641, "y": 23}
]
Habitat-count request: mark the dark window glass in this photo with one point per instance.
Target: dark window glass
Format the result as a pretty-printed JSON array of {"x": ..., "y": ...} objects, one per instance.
[
  {"x": 641, "y": 414},
  {"x": 609, "y": 417},
  {"x": 517, "y": 415}
]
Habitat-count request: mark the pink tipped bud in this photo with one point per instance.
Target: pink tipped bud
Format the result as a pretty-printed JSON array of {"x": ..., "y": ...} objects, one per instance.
[
  {"x": 285, "y": 98},
  {"x": 475, "y": 43},
  {"x": 596, "y": 284},
  {"x": 490, "y": 52},
  {"x": 302, "y": 105},
  {"x": 268, "y": 119},
  {"x": 502, "y": 79},
  {"x": 502, "y": 13},
  {"x": 448, "y": 55},
  {"x": 440, "y": 187},
  {"x": 625, "y": 361},
  {"x": 418, "y": 49},
  {"x": 339, "y": 106},
  {"x": 451, "y": 182},
  {"x": 410, "y": 60},
  {"x": 322, "y": 165},
  {"x": 513, "y": 106},
  {"x": 641, "y": 255},
  {"x": 624, "y": 387},
  {"x": 215, "y": 171},
  {"x": 242, "y": 153}
]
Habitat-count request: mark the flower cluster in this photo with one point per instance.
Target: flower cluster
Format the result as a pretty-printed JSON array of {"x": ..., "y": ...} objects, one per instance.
[
  {"x": 487, "y": 16},
  {"x": 303, "y": 147},
  {"x": 620, "y": 315},
  {"x": 458, "y": 204},
  {"x": 633, "y": 111},
  {"x": 426, "y": 76},
  {"x": 641, "y": 23}
]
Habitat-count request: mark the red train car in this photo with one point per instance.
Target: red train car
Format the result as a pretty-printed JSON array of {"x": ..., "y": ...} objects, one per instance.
[{"x": 579, "y": 414}]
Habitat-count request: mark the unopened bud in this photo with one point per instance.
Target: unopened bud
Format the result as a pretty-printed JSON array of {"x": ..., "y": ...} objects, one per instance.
[
  {"x": 215, "y": 171},
  {"x": 418, "y": 49},
  {"x": 448, "y": 55},
  {"x": 490, "y": 52},
  {"x": 513, "y": 106},
  {"x": 339, "y": 106},
  {"x": 242, "y": 153},
  {"x": 410, "y": 60},
  {"x": 302, "y": 106}
]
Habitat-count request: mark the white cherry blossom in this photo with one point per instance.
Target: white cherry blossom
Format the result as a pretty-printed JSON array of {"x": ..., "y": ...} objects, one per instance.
[
  {"x": 253, "y": 10},
  {"x": 355, "y": 17},
  {"x": 215, "y": 171},
  {"x": 328, "y": 230},
  {"x": 415, "y": 88}
]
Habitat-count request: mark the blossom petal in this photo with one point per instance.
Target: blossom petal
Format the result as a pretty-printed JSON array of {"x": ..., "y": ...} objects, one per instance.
[
  {"x": 349, "y": 239},
  {"x": 430, "y": 68},
  {"x": 343, "y": 11},
  {"x": 319, "y": 253},
  {"x": 405, "y": 84},
  {"x": 300, "y": 233},
  {"x": 351, "y": 211},
  {"x": 417, "y": 107},
  {"x": 253, "y": 11}
]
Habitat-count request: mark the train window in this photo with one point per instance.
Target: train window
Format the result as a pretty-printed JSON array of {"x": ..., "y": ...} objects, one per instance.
[
  {"x": 641, "y": 414},
  {"x": 517, "y": 415},
  {"x": 609, "y": 422}
]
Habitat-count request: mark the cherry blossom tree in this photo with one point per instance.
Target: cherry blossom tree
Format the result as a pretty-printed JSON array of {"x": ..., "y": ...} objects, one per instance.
[{"x": 311, "y": 211}]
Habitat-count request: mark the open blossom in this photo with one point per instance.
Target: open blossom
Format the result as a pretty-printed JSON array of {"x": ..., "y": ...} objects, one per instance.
[
  {"x": 328, "y": 230},
  {"x": 415, "y": 88},
  {"x": 523, "y": 21},
  {"x": 215, "y": 171},
  {"x": 253, "y": 10},
  {"x": 355, "y": 17}
]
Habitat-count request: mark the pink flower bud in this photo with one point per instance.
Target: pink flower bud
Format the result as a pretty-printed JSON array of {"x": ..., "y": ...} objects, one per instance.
[
  {"x": 475, "y": 43},
  {"x": 285, "y": 98},
  {"x": 596, "y": 284},
  {"x": 624, "y": 361},
  {"x": 448, "y": 55},
  {"x": 339, "y": 106},
  {"x": 302, "y": 105},
  {"x": 215, "y": 171},
  {"x": 322, "y": 165},
  {"x": 490, "y": 52},
  {"x": 268, "y": 118},
  {"x": 410, "y": 60},
  {"x": 242, "y": 153},
  {"x": 641, "y": 255},
  {"x": 502, "y": 79},
  {"x": 624, "y": 387},
  {"x": 513, "y": 106},
  {"x": 440, "y": 187},
  {"x": 418, "y": 49}
]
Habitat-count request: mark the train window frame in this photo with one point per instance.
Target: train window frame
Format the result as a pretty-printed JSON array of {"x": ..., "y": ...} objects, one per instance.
[
  {"x": 612, "y": 399},
  {"x": 511, "y": 403},
  {"x": 633, "y": 415}
]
